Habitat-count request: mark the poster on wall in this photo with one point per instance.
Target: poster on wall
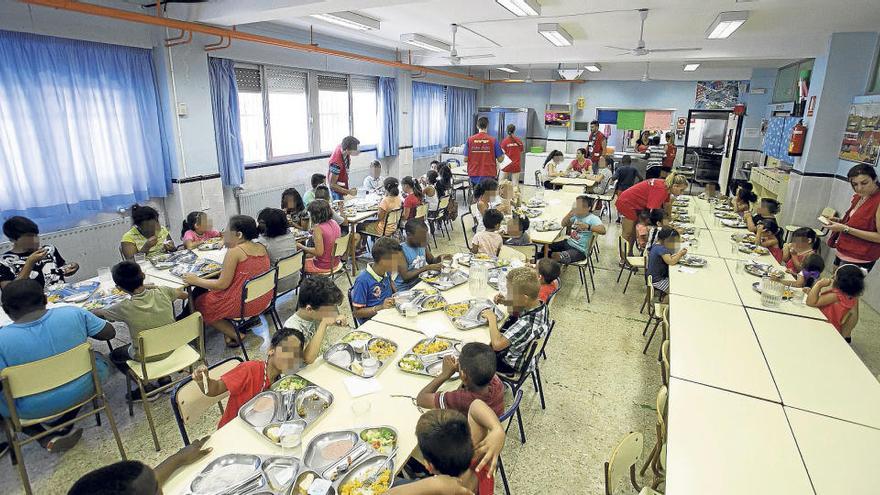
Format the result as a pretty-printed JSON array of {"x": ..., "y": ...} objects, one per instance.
[
  {"x": 720, "y": 95},
  {"x": 861, "y": 138}
]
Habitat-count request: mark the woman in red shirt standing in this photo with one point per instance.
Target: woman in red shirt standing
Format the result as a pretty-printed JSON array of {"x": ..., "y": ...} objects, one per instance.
[
  {"x": 856, "y": 235},
  {"x": 650, "y": 194},
  {"x": 513, "y": 147},
  {"x": 671, "y": 150}
]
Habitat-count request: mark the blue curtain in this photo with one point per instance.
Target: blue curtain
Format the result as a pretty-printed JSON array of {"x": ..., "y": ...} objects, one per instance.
[
  {"x": 227, "y": 126},
  {"x": 428, "y": 119},
  {"x": 388, "y": 121},
  {"x": 82, "y": 129},
  {"x": 461, "y": 106}
]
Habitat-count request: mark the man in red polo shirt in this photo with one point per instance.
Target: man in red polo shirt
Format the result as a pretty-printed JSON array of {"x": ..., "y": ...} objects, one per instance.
[
  {"x": 482, "y": 153},
  {"x": 598, "y": 140},
  {"x": 340, "y": 161}
]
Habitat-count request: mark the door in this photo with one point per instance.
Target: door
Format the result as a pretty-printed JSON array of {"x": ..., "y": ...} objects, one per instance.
[{"x": 731, "y": 138}]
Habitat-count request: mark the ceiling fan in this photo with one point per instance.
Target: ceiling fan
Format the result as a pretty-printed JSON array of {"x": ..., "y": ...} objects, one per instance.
[
  {"x": 455, "y": 58},
  {"x": 640, "y": 49},
  {"x": 646, "y": 77}
]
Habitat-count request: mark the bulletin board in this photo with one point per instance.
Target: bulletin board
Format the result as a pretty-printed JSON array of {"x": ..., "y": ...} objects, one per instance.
[{"x": 861, "y": 138}]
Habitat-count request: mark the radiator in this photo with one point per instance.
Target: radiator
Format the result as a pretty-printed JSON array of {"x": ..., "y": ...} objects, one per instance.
[
  {"x": 92, "y": 246},
  {"x": 251, "y": 202}
]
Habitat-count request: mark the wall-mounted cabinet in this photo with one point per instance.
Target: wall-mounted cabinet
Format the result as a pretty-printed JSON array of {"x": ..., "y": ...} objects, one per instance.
[{"x": 786, "y": 88}]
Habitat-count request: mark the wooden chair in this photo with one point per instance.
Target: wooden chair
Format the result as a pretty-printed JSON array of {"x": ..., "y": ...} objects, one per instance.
[
  {"x": 570, "y": 188},
  {"x": 188, "y": 401},
  {"x": 664, "y": 362},
  {"x": 656, "y": 311},
  {"x": 41, "y": 376},
  {"x": 174, "y": 338},
  {"x": 655, "y": 460},
  {"x": 510, "y": 253},
  {"x": 287, "y": 267},
  {"x": 530, "y": 251},
  {"x": 252, "y": 290},
  {"x": 506, "y": 416},
  {"x": 627, "y": 262},
  {"x": 623, "y": 461}
]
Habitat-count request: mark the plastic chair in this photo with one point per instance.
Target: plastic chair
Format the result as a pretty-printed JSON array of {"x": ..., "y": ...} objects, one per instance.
[
  {"x": 46, "y": 374},
  {"x": 630, "y": 263},
  {"x": 421, "y": 212},
  {"x": 516, "y": 380},
  {"x": 506, "y": 416},
  {"x": 623, "y": 461},
  {"x": 654, "y": 459},
  {"x": 173, "y": 338},
  {"x": 510, "y": 253},
  {"x": 287, "y": 267},
  {"x": 252, "y": 290},
  {"x": 188, "y": 401},
  {"x": 664, "y": 362}
]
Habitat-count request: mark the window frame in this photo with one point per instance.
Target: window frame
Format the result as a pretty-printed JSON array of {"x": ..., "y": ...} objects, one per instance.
[
  {"x": 874, "y": 79},
  {"x": 317, "y": 114},
  {"x": 794, "y": 88}
]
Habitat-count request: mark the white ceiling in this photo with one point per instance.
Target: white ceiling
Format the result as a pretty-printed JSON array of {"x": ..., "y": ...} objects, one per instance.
[{"x": 777, "y": 31}]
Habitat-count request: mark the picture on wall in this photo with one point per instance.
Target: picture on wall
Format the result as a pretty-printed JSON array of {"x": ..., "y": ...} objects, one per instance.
[
  {"x": 861, "y": 138},
  {"x": 720, "y": 95}
]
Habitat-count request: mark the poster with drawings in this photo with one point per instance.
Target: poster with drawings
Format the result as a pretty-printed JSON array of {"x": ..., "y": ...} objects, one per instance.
[
  {"x": 861, "y": 138},
  {"x": 720, "y": 95}
]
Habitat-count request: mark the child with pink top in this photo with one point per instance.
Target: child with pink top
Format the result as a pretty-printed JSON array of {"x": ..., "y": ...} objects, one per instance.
[
  {"x": 840, "y": 304},
  {"x": 197, "y": 230},
  {"x": 325, "y": 231}
]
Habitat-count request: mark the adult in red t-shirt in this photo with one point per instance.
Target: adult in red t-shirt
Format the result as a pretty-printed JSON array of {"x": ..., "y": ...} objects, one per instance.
[
  {"x": 598, "y": 140},
  {"x": 671, "y": 151},
  {"x": 482, "y": 153},
  {"x": 857, "y": 235},
  {"x": 340, "y": 162},
  {"x": 513, "y": 147},
  {"x": 650, "y": 194},
  {"x": 581, "y": 164}
]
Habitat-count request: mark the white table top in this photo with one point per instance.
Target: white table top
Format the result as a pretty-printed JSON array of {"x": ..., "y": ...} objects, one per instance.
[
  {"x": 725, "y": 443},
  {"x": 714, "y": 345},
  {"x": 815, "y": 369},
  {"x": 752, "y": 299},
  {"x": 711, "y": 282},
  {"x": 558, "y": 205},
  {"x": 573, "y": 181},
  {"x": 705, "y": 244},
  {"x": 840, "y": 456}
]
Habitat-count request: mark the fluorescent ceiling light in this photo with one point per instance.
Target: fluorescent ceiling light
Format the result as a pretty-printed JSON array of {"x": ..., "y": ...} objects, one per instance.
[
  {"x": 420, "y": 41},
  {"x": 725, "y": 24},
  {"x": 555, "y": 34},
  {"x": 350, "y": 20},
  {"x": 507, "y": 68},
  {"x": 521, "y": 8},
  {"x": 691, "y": 67},
  {"x": 593, "y": 67}
]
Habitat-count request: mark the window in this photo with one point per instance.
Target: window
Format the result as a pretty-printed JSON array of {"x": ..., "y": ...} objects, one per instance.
[
  {"x": 333, "y": 110},
  {"x": 364, "y": 110},
  {"x": 787, "y": 88},
  {"x": 288, "y": 111},
  {"x": 250, "y": 109}
]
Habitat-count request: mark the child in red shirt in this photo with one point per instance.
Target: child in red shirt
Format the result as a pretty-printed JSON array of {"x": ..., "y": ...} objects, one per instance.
[
  {"x": 252, "y": 377},
  {"x": 840, "y": 304},
  {"x": 548, "y": 271},
  {"x": 476, "y": 366},
  {"x": 413, "y": 199}
]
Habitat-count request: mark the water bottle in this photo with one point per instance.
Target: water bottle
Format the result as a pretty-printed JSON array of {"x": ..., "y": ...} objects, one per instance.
[
  {"x": 771, "y": 292},
  {"x": 502, "y": 281}
]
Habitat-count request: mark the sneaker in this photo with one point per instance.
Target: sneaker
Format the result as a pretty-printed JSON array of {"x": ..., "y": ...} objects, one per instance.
[
  {"x": 62, "y": 443},
  {"x": 135, "y": 395}
]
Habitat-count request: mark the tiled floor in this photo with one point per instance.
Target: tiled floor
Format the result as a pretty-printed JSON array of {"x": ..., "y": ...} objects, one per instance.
[{"x": 598, "y": 387}]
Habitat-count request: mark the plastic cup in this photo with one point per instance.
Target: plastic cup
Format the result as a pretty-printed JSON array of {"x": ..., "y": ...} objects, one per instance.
[
  {"x": 360, "y": 411},
  {"x": 104, "y": 275}
]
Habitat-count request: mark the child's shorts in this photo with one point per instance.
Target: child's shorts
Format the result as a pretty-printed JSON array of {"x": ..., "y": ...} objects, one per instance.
[{"x": 662, "y": 285}]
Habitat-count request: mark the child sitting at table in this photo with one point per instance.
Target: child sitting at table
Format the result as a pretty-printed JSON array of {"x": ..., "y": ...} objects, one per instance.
[
  {"x": 744, "y": 198},
  {"x": 374, "y": 183},
  {"x": 489, "y": 241},
  {"x": 549, "y": 271},
  {"x": 642, "y": 229},
  {"x": 147, "y": 235},
  {"x": 413, "y": 194},
  {"x": 373, "y": 288},
  {"x": 461, "y": 452},
  {"x": 804, "y": 242},
  {"x": 767, "y": 210},
  {"x": 149, "y": 307},
  {"x": 504, "y": 201},
  {"x": 840, "y": 305},
  {"x": 293, "y": 205},
  {"x": 317, "y": 309},
  {"x": 710, "y": 191},
  {"x": 811, "y": 269},
  {"x": 390, "y": 202},
  {"x": 317, "y": 180},
  {"x": 581, "y": 224},
  {"x": 135, "y": 477},
  {"x": 518, "y": 231},
  {"x": 197, "y": 230},
  {"x": 417, "y": 257},
  {"x": 280, "y": 243},
  {"x": 249, "y": 378},
  {"x": 484, "y": 196},
  {"x": 27, "y": 259},
  {"x": 528, "y": 320},
  {"x": 767, "y": 235},
  {"x": 476, "y": 367},
  {"x": 325, "y": 232},
  {"x": 661, "y": 256}
]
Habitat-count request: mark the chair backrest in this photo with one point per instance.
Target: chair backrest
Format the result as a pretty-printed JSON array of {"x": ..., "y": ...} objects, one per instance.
[
  {"x": 259, "y": 286},
  {"x": 530, "y": 251},
  {"x": 662, "y": 403},
  {"x": 45, "y": 374},
  {"x": 538, "y": 178},
  {"x": 167, "y": 338},
  {"x": 509, "y": 253},
  {"x": 421, "y": 211},
  {"x": 514, "y": 405},
  {"x": 570, "y": 188},
  {"x": 530, "y": 356},
  {"x": 392, "y": 219},
  {"x": 340, "y": 247},
  {"x": 188, "y": 401},
  {"x": 623, "y": 460},
  {"x": 664, "y": 361},
  {"x": 291, "y": 264},
  {"x": 444, "y": 202},
  {"x": 465, "y": 228}
]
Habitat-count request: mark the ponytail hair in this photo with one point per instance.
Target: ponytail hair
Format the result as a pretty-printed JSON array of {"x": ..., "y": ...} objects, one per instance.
[
  {"x": 675, "y": 180},
  {"x": 392, "y": 186},
  {"x": 246, "y": 225},
  {"x": 189, "y": 223},
  {"x": 553, "y": 154},
  {"x": 809, "y": 234},
  {"x": 414, "y": 184}
]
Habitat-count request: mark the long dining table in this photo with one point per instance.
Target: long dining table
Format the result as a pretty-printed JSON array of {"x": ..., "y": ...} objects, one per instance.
[{"x": 761, "y": 399}]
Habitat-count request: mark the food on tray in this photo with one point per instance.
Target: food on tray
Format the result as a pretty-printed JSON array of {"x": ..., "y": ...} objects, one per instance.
[
  {"x": 431, "y": 277},
  {"x": 456, "y": 310},
  {"x": 356, "y": 486},
  {"x": 336, "y": 450},
  {"x": 273, "y": 433},
  {"x": 222, "y": 477},
  {"x": 411, "y": 363},
  {"x": 340, "y": 358},
  {"x": 290, "y": 384},
  {"x": 434, "y": 303},
  {"x": 353, "y": 336},
  {"x": 382, "y": 440},
  {"x": 431, "y": 347},
  {"x": 382, "y": 349},
  {"x": 308, "y": 402}
]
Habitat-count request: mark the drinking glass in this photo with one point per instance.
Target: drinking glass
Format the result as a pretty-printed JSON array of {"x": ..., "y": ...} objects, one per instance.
[
  {"x": 740, "y": 266},
  {"x": 360, "y": 411},
  {"x": 771, "y": 292},
  {"x": 140, "y": 259},
  {"x": 411, "y": 310},
  {"x": 291, "y": 440},
  {"x": 104, "y": 275}
]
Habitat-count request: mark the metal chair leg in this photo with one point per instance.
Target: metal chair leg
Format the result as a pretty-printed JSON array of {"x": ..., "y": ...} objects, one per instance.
[
  {"x": 129, "y": 397},
  {"x": 627, "y": 281},
  {"x": 522, "y": 430},
  {"x": 503, "y": 476},
  {"x": 656, "y": 324},
  {"x": 540, "y": 385},
  {"x": 97, "y": 414},
  {"x": 148, "y": 412},
  {"x": 620, "y": 273},
  {"x": 241, "y": 342}
]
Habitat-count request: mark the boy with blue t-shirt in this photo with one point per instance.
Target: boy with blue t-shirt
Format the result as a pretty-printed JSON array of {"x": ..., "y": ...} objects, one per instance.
[
  {"x": 373, "y": 288},
  {"x": 581, "y": 224},
  {"x": 417, "y": 257}
]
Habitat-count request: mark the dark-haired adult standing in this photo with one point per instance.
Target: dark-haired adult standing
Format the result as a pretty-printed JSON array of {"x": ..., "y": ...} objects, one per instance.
[
  {"x": 340, "y": 162},
  {"x": 244, "y": 260},
  {"x": 856, "y": 235},
  {"x": 482, "y": 153},
  {"x": 598, "y": 140}
]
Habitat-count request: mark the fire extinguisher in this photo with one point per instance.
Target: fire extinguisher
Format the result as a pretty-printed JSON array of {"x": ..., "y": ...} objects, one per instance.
[{"x": 798, "y": 138}]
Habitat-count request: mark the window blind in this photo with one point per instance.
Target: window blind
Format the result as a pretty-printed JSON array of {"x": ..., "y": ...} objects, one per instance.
[
  {"x": 248, "y": 80},
  {"x": 283, "y": 80},
  {"x": 364, "y": 85},
  {"x": 332, "y": 83}
]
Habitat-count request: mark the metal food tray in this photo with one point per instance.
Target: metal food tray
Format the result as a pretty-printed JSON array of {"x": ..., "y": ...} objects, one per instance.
[
  {"x": 169, "y": 260},
  {"x": 693, "y": 261},
  {"x": 351, "y": 354},
  {"x": 217, "y": 478},
  {"x": 349, "y": 463},
  {"x": 760, "y": 269},
  {"x": 746, "y": 237},
  {"x": 263, "y": 480},
  {"x": 472, "y": 319},
  {"x": 467, "y": 258},
  {"x": 429, "y": 364},
  {"x": 211, "y": 246},
  {"x": 444, "y": 280},
  {"x": 547, "y": 225},
  {"x": 75, "y": 292},
  {"x": 307, "y": 404},
  {"x": 199, "y": 268},
  {"x": 727, "y": 215},
  {"x": 418, "y": 298},
  {"x": 733, "y": 224},
  {"x": 101, "y": 301},
  {"x": 749, "y": 248},
  {"x": 535, "y": 203}
]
